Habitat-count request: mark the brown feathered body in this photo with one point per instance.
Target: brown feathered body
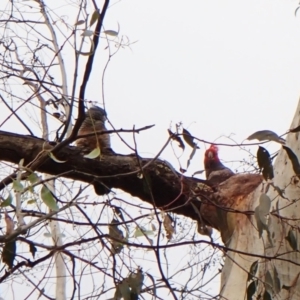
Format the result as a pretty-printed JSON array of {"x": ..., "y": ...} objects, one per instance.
[
  {"x": 93, "y": 124},
  {"x": 215, "y": 171}
]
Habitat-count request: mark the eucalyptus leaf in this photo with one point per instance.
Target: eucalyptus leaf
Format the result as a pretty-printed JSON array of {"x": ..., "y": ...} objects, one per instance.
[
  {"x": 292, "y": 239},
  {"x": 111, "y": 32},
  {"x": 48, "y": 198},
  {"x": 176, "y": 138},
  {"x": 87, "y": 33},
  {"x": 7, "y": 201},
  {"x": 294, "y": 160},
  {"x": 189, "y": 139},
  {"x": 56, "y": 159},
  {"x": 251, "y": 289},
  {"x": 266, "y": 135},
  {"x": 253, "y": 270},
  {"x": 95, "y": 17},
  {"x": 17, "y": 186},
  {"x": 93, "y": 154}
]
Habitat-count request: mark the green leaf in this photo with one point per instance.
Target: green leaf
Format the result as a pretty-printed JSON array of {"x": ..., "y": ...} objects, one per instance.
[
  {"x": 80, "y": 22},
  {"x": 48, "y": 198},
  {"x": 111, "y": 32},
  {"x": 31, "y": 201},
  {"x": 253, "y": 270},
  {"x": 292, "y": 240},
  {"x": 87, "y": 33},
  {"x": 17, "y": 186},
  {"x": 33, "y": 178},
  {"x": 140, "y": 231},
  {"x": 294, "y": 159},
  {"x": 93, "y": 154},
  {"x": 95, "y": 17},
  {"x": 55, "y": 159},
  {"x": 7, "y": 201},
  {"x": 266, "y": 135},
  {"x": 269, "y": 282}
]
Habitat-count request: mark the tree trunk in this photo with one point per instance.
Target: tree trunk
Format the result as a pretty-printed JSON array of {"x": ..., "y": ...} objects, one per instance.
[{"x": 278, "y": 256}]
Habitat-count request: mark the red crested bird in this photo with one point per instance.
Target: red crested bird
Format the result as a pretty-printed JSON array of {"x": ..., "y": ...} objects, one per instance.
[{"x": 215, "y": 171}]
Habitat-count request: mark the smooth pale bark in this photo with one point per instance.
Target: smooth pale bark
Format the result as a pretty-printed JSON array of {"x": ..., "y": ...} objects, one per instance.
[{"x": 245, "y": 237}]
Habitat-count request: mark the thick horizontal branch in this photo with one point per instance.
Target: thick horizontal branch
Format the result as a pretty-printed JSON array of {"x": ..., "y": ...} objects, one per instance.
[
  {"x": 151, "y": 180},
  {"x": 169, "y": 189}
]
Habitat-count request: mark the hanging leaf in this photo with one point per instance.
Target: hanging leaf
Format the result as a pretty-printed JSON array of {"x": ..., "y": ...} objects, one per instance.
[
  {"x": 17, "y": 186},
  {"x": 32, "y": 249},
  {"x": 33, "y": 178},
  {"x": 111, "y": 32},
  {"x": 87, "y": 33},
  {"x": 191, "y": 156},
  {"x": 293, "y": 158},
  {"x": 251, "y": 289},
  {"x": 269, "y": 282},
  {"x": 198, "y": 173},
  {"x": 80, "y": 22},
  {"x": 140, "y": 231},
  {"x": 95, "y": 17},
  {"x": 267, "y": 296},
  {"x": 176, "y": 138},
  {"x": 7, "y": 201},
  {"x": 264, "y": 207},
  {"x": 260, "y": 225},
  {"x": 9, "y": 253},
  {"x": 292, "y": 240},
  {"x": 93, "y": 154},
  {"x": 253, "y": 270},
  {"x": 56, "y": 159},
  {"x": 265, "y": 163},
  {"x": 189, "y": 139},
  {"x": 266, "y": 135},
  {"x": 277, "y": 283},
  {"x": 48, "y": 198}
]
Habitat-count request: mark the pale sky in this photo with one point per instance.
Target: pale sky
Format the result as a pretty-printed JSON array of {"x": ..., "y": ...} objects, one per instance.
[{"x": 220, "y": 67}]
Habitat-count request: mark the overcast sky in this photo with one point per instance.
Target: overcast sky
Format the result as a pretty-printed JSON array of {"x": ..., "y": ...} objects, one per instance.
[
  {"x": 221, "y": 67},
  {"x": 224, "y": 68}
]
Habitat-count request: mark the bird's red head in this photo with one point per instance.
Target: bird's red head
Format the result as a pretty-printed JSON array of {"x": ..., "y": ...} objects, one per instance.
[{"x": 211, "y": 154}]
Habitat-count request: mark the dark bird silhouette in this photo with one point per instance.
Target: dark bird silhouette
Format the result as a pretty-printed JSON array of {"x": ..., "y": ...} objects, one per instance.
[
  {"x": 94, "y": 124},
  {"x": 215, "y": 171}
]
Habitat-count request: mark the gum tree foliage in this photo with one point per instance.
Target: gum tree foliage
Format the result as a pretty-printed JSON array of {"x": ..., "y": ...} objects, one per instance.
[{"x": 70, "y": 226}]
